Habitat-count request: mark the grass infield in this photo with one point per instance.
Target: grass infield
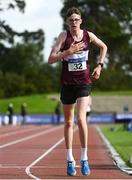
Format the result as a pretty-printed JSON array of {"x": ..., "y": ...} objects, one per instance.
[
  {"x": 45, "y": 103},
  {"x": 36, "y": 104},
  {"x": 121, "y": 139}
]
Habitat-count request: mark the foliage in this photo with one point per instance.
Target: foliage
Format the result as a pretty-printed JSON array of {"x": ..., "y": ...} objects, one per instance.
[
  {"x": 20, "y": 56},
  {"x": 113, "y": 79},
  {"x": 6, "y": 32},
  {"x": 12, "y": 4}
]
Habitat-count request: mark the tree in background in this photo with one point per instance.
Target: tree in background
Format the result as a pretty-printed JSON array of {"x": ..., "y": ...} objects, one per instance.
[
  {"x": 6, "y": 32},
  {"x": 20, "y": 55}
]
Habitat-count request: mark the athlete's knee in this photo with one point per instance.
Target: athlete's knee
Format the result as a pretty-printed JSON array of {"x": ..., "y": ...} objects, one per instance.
[
  {"x": 68, "y": 124},
  {"x": 80, "y": 121}
]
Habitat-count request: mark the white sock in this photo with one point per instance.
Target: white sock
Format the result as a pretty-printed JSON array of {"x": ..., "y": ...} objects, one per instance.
[
  {"x": 70, "y": 155},
  {"x": 84, "y": 154}
]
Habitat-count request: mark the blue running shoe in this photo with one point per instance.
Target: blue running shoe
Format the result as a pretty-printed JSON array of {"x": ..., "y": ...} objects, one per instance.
[
  {"x": 71, "y": 165},
  {"x": 85, "y": 170}
]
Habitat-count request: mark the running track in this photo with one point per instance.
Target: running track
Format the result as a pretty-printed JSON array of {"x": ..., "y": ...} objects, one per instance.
[{"x": 38, "y": 152}]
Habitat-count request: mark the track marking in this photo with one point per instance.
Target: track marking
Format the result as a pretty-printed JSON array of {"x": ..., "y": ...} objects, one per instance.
[
  {"x": 28, "y": 137},
  {"x": 19, "y": 131},
  {"x": 27, "y": 170},
  {"x": 118, "y": 161}
]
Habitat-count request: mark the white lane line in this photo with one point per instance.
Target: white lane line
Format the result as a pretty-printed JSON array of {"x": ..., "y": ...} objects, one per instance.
[
  {"x": 114, "y": 154},
  {"x": 27, "y": 170},
  {"x": 28, "y": 137},
  {"x": 19, "y": 131}
]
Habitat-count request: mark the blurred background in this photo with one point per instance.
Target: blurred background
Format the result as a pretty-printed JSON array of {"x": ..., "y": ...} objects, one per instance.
[
  {"x": 29, "y": 86},
  {"x": 28, "y": 31}
]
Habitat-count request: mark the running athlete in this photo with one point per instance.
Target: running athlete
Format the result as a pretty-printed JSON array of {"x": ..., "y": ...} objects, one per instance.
[{"x": 72, "y": 48}]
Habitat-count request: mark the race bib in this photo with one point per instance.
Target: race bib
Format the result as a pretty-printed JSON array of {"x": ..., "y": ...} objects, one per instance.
[
  {"x": 78, "y": 66},
  {"x": 77, "y": 61}
]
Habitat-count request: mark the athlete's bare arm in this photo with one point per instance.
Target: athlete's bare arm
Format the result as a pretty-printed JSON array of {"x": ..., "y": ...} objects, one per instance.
[
  {"x": 103, "y": 51},
  {"x": 56, "y": 54}
]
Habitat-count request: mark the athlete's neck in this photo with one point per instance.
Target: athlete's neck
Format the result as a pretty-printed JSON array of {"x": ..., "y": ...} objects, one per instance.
[{"x": 77, "y": 35}]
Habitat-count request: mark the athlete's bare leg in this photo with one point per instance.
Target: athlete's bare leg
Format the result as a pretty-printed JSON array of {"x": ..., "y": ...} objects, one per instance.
[
  {"x": 68, "y": 127},
  {"x": 82, "y": 104}
]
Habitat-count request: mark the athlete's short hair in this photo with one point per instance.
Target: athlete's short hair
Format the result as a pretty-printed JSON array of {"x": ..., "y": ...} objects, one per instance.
[{"x": 71, "y": 11}]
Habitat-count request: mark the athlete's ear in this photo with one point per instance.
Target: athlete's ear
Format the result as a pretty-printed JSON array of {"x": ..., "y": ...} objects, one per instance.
[{"x": 80, "y": 21}]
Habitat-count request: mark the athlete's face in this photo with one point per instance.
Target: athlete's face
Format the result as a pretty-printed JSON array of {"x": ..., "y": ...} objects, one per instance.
[{"x": 74, "y": 21}]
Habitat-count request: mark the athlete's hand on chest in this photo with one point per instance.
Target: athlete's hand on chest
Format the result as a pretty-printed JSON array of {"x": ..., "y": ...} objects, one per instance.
[{"x": 76, "y": 47}]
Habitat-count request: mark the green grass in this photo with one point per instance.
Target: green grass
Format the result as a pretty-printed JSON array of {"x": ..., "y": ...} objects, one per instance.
[
  {"x": 41, "y": 104},
  {"x": 120, "y": 139},
  {"x": 36, "y": 104}
]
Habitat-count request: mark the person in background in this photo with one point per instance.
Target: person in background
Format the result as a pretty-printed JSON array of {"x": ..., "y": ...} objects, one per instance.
[
  {"x": 23, "y": 112},
  {"x": 10, "y": 113},
  {"x": 58, "y": 113},
  {"x": 72, "y": 49}
]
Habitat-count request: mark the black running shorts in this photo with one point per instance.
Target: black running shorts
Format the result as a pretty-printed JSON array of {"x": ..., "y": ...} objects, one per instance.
[{"x": 70, "y": 93}]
